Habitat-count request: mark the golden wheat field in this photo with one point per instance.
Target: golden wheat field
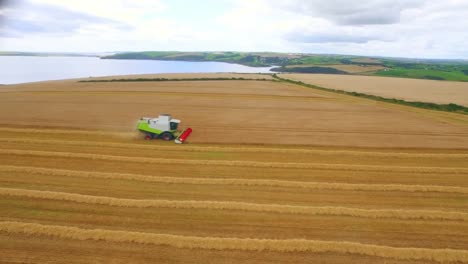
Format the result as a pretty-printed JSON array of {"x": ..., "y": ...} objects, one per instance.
[
  {"x": 273, "y": 173},
  {"x": 441, "y": 92}
]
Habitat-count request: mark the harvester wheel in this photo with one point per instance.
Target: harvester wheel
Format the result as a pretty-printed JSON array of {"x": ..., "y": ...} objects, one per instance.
[
  {"x": 148, "y": 137},
  {"x": 166, "y": 136}
]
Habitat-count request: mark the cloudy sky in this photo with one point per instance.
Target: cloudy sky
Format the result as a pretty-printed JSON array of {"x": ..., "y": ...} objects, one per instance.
[{"x": 402, "y": 28}]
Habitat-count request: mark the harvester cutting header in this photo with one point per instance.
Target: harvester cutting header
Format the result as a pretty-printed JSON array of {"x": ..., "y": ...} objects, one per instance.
[{"x": 164, "y": 127}]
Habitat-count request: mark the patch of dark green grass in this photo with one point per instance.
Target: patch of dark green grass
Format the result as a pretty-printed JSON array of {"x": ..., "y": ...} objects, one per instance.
[{"x": 310, "y": 69}]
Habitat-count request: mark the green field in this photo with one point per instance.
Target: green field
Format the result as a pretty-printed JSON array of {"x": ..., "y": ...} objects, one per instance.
[{"x": 431, "y": 74}]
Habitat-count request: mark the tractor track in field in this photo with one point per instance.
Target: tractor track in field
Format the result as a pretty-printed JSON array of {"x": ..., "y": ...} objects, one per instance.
[
  {"x": 245, "y": 244},
  {"x": 237, "y": 163},
  {"x": 240, "y": 149},
  {"x": 334, "y": 131},
  {"x": 240, "y": 206},
  {"x": 256, "y": 129},
  {"x": 63, "y": 131},
  {"x": 237, "y": 181}
]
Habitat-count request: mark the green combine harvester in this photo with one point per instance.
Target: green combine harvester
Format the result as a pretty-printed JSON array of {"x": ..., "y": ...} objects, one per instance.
[{"x": 164, "y": 127}]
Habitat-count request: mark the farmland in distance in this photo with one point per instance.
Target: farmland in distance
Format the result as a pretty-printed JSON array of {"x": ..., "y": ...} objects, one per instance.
[{"x": 441, "y": 92}]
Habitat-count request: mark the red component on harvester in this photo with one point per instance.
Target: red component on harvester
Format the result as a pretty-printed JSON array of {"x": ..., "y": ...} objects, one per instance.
[{"x": 185, "y": 135}]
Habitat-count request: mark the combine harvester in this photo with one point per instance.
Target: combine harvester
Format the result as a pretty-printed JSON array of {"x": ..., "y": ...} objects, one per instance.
[{"x": 163, "y": 127}]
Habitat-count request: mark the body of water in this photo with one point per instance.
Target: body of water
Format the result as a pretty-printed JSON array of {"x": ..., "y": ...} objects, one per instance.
[{"x": 22, "y": 69}]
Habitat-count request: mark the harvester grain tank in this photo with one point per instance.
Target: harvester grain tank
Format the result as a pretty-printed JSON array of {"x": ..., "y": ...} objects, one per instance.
[{"x": 163, "y": 127}]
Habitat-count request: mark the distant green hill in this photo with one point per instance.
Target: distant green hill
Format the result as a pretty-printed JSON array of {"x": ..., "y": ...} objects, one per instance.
[
  {"x": 450, "y": 70},
  {"x": 248, "y": 59}
]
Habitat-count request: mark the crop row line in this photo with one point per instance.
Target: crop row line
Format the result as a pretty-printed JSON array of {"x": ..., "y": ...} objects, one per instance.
[
  {"x": 237, "y": 181},
  {"x": 64, "y": 131},
  {"x": 262, "y": 128},
  {"x": 246, "y": 244},
  {"x": 241, "y": 206},
  {"x": 235, "y": 163},
  {"x": 234, "y": 149}
]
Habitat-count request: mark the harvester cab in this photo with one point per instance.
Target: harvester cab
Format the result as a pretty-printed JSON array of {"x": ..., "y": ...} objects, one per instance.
[{"x": 163, "y": 127}]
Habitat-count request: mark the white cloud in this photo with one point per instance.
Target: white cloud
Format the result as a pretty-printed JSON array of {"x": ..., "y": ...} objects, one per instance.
[
  {"x": 127, "y": 11},
  {"x": 411, "y": 28},
  {"x": 88, "y": 25},
  {"x": 345, "y": 12}
]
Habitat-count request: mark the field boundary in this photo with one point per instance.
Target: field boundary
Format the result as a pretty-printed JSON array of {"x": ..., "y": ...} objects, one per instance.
[
  {"x": 453, "y": 108},
  {"x": 240, "y": 206},
  {"x": 177, "y": 79},
  {"x": 246, "y": 244}
]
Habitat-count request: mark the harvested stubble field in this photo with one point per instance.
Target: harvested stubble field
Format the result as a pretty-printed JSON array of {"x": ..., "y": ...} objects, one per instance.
[
  {"x": 440, "y": 92},
  {"x": 331, "y": 178}
]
